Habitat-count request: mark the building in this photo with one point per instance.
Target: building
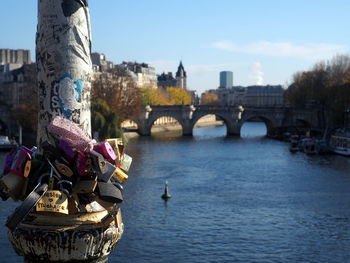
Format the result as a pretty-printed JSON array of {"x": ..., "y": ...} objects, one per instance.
[
  {"x": 17, "y": 86},
  {"x": 181, "y": 77},
  {"x": 100, "y": 63},
  {"x": 143, "y": 74},
  {"x": 264, "y": 96},
  {"x": 251, "y": 96},
  {"x": 226, "y": 79},
  {"x": 166, "y": 80},
  {"x": 15, "y": 56},
  {"x": 179, "y": 81}
]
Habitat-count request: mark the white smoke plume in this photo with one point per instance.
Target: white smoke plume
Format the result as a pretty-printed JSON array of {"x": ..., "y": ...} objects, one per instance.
[{"x": 257, "y": 73}]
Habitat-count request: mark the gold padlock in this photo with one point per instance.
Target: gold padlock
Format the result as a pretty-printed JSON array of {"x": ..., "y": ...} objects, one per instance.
[
  {"x": 64, "y": 170},
  {"x": 120, "y": 176},
  {"x": 53, "y": 201},
  {"x": 27, "y": 168}
]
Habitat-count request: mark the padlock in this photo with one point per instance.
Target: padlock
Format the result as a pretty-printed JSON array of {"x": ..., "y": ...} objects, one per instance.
[
  {"x": 119, "y": 186},
  {"x": 38, "y": 167},
  {"x": 98, "y": 162},
  {"x": 49, "y": 178},
  {"x": 50, "y": 151},
  {"x": 19, "y": 161},
  {"x": 106, "y": 176},
  {"x": 83, "y": 164},
  {"x": 65, "y": 129},
  {"x": 54, "y": 170},
  {"x": 63, "y": 169},
  {"x": 27, "y": 168},
  {"x": 67, "y": 150},
  {"x": 85, "y": 187},
  {"x": 31, "y": 200},
  {"x": 9, "y": 160},
  {"x": 108, "y": 192},
  {"x": 11, "y": 185},
  {"x": 119, "y": 176},
  {"x": 118, "y": 146},
  {"x": 125, "y": 162},
  {"x": 94, "y": 207},
  {"x": 66, "y": 187},
  {"x": 73, "y": 205},
  {"x": 53, "y": 201},
  {"x": 106, "y": 150}
]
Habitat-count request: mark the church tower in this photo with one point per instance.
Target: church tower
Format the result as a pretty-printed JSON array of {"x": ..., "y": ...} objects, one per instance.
[{"x": 181, "y": 77}]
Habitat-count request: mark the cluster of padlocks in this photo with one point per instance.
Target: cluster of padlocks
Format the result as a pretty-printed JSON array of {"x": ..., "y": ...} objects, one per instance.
[{"x": 72, "y": 175}]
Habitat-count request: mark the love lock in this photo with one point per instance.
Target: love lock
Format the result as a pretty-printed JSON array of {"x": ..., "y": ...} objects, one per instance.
[
  {"x": 99, "y": 162},
  {"x": 20, "y": 213},
  {"x": 66, "y": 187}
]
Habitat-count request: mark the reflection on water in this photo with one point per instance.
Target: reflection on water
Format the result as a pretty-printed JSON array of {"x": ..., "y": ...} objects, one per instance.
[{"x": 233, "y": 200}]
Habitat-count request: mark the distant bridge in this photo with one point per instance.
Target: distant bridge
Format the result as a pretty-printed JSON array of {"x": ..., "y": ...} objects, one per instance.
[{"x": 275, "y": 118}]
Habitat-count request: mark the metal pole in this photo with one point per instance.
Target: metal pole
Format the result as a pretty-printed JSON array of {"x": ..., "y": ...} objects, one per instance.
[{"x": 63, "y": 57}]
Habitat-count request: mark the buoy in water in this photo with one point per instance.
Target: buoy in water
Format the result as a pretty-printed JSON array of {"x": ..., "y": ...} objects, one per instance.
[{"x": 166, "y": 194}]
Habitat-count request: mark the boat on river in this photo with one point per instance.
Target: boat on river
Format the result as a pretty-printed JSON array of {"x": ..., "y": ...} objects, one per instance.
[
  {"x": 294, "y": 143},
  {"x": 340, "y": 142}
]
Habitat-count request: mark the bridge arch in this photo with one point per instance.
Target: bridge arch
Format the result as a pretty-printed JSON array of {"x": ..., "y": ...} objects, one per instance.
[
  {"x": 269, "y": 122},
  {"x": 198, "y": 117},
  {"x": 168, "y": 119},
  {"x": 129, "y": 125}
]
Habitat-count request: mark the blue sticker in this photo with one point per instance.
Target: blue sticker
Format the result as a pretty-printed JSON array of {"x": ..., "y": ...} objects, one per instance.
[{"x": 69, "y": 95}]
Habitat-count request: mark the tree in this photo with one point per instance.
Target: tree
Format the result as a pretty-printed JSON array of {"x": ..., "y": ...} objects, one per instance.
[
  {"x": 179, "y": 96},
  {"x": 104, "y": 120},
  {"x": 210, "y": 98},
  {"x": 120, "y": 93},
  {"x": 170, "y": 96},
  {"x": 154, "y": 97},
  {"x": 326, "y": 85}
]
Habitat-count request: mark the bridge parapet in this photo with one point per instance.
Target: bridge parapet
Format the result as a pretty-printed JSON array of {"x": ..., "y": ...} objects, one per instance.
[{"x": 233, "y": 117}]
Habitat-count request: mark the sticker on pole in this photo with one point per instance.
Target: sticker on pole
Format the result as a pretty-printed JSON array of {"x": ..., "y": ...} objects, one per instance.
[{"x": 53, "y": 201}]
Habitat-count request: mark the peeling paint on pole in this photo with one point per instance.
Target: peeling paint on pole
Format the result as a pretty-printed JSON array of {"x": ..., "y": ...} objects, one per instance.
[{"x": 63, "y": 56}]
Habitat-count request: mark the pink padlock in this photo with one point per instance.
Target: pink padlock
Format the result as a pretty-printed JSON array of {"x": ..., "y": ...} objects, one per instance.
[
  {"x": 65, "y": 129},
  {"x": 20, "y": 160},
  {"x": 106, "y": 150}
]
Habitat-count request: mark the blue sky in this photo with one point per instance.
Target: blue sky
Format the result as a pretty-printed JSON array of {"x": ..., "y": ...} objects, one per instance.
[{"x": 261, "y": 41}]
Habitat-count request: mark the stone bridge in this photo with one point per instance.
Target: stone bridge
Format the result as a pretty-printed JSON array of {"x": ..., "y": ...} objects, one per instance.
[{"x": 275, "y": 118}]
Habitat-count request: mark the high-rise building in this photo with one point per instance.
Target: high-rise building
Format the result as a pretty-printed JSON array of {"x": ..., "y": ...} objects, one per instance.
[{"x": 226, "y": 79}]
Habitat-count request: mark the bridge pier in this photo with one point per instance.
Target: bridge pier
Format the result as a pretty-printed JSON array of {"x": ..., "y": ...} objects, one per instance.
[
  {"x": 233, "y": 129},
  {"x": 187, "y": 131},
  {"x": 143, "y": 130}
]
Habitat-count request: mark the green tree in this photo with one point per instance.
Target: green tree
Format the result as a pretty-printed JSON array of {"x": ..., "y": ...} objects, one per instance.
[{"x": 104, "y": 120}]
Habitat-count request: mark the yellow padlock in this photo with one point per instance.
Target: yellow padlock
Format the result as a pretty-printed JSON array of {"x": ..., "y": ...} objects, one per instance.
[
  {"x": 120, "y": 176},
  {"x": 53, "y": 201}
]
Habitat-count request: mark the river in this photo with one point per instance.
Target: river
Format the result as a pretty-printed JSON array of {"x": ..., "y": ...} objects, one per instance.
[{"x": 233, "y": 200}]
